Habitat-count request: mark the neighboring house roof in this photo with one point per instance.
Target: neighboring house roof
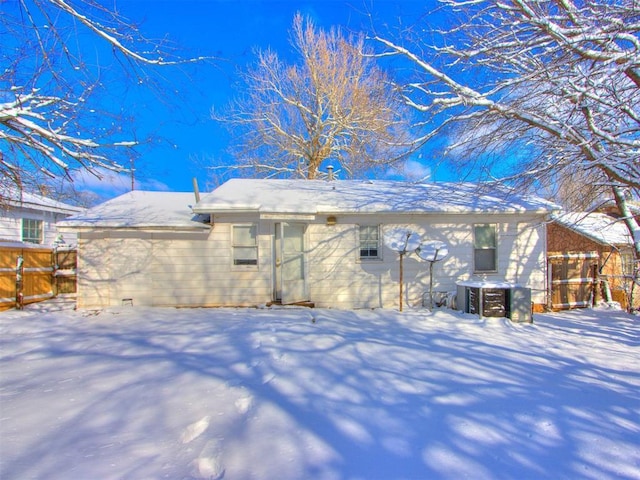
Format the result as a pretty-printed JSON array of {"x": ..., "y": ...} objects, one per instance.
[
  {"x": 632, "y": 205},
  {"x": 599, "y": 227},
  {"x": 21, "y": 199},
  {"x": 365, "y": 196},
  {"x": 141, "y": 209}
]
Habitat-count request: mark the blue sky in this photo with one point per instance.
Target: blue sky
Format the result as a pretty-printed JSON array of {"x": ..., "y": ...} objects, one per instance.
[{"x": 186, "y": 140}]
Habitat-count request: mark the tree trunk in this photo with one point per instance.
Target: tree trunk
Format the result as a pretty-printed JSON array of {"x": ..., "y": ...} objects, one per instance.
[
  {"x": 312, "y": 171},
  {"x": 634, "y": 230},
  {"x": 629, "y": 220}
]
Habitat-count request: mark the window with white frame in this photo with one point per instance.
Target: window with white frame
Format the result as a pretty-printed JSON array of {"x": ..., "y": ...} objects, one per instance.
[
  {"x": 245, "y": 245},
  {"x": 32, "y": 230},
  {"x": 485, "y": 247},
  {"x": 369, "y": 242}
]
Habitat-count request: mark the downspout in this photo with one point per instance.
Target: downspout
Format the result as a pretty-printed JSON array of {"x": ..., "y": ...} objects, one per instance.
[{"x": 547, "y": 264}]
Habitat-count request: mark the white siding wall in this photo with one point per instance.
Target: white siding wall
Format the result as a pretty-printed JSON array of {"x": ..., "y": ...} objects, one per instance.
[
  {"x": 339, "y": 279},
  {"x": 200, "y": 272},
  {"x": 167, "y": 268},
  {"x": 11, "y": 225},
  {"x": 112, "y": 269}
]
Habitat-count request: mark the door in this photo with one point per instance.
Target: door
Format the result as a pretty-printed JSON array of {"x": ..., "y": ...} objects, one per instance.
[{"x": 290, "y": 269}]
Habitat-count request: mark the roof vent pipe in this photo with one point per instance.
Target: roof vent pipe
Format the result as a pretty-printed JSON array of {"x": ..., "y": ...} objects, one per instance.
[
  {"x": 330, "y": 173},
  {"x": 196, "y": 190}
]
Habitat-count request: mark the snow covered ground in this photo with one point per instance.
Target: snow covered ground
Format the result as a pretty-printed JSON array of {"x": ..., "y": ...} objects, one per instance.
[{"x": 288, "y": 393}]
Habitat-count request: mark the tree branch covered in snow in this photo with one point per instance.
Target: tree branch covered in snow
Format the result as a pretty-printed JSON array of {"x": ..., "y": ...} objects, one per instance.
[
  {"x": 555, "y": 79},
  {"x": 56, "y": 110},
  {"x": 335, "y": 104}
]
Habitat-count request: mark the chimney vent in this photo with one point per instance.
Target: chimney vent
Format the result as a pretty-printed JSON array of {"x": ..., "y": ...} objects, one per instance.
[{"x": 330, "y": 173}]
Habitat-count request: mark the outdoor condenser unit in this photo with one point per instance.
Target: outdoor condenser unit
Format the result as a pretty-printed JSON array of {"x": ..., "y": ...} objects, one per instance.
[
  {"x": 488, "y": 299},
  {"x": 520, "y": 304}
]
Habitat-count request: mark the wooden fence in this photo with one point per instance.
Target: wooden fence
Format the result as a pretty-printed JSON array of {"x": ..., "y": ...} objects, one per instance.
[
  {"x": 582, "y": 279},
  {"x": 29, "y": 275},
  {"x": 573, "y": 279}
]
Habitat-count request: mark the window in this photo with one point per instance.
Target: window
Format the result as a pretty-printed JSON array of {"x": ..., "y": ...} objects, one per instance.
[
  {"x": 245, "y": 245},
  {"x": 31, "y": 230},
  {"x": 369, "y": 242},
  {"x": 628, "y": 264},
  {"x": 484, "y": 248}
]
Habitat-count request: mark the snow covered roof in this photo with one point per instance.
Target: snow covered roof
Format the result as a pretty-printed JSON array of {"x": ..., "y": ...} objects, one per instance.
[
  {"x": 141, "y": 209},
  {"x": 599, "y": 227},
  {"x": 16, "y": 198},
  {"x": 632, "y": 205},
  {"x": 365, "y": 196}
]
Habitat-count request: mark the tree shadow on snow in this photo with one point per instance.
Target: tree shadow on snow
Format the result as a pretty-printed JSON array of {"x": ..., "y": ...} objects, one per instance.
[{"x": 297, "y": 393}]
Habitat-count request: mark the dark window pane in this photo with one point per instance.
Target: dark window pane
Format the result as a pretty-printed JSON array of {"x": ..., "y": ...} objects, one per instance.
[{"x": 485, "y": 260}]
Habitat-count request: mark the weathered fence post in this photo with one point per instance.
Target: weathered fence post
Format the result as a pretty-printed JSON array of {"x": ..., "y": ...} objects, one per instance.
[{"x": 19, "y": 282}]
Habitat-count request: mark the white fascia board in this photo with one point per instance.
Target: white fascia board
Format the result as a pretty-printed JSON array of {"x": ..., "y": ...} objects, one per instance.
[
  {"x": 150, "y": 228},
  {"x": 212, "y": 209},
  {"x": 287, "y": 216}
]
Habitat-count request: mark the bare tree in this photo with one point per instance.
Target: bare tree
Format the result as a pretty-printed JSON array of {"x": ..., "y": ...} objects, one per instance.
[
  {"x": 335, "y": 104},
  {"x": 53, "y": 89},
  {"x": 559, "y": 79}
]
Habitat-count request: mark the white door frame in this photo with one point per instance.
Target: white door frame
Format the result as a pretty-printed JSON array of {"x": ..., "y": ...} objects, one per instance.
[{"x": 290, "y": 263}]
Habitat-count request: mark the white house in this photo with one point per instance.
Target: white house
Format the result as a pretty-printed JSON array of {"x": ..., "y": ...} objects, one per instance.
[
  {"x": 254, "y": 242},
  {"x": 30, "y": 218}
]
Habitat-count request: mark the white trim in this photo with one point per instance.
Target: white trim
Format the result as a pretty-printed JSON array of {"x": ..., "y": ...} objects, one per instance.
[
  {"x": 495, "y": 247},
  {"x": 286, "y": 217},
  {"x": 566, "y": 281},
  {"x": 581, "y": 255},
  {"x": 39, "y": 227},
  {"x": 251, "y": 266},
  {"x": 359, "y": 257}
]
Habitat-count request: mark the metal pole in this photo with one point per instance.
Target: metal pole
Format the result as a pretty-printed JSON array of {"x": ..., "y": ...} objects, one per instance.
[
  {"x": 401, "y": 280},
  {"x": 435, "y": 259},
  {"x": 431, "y": 285}
]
